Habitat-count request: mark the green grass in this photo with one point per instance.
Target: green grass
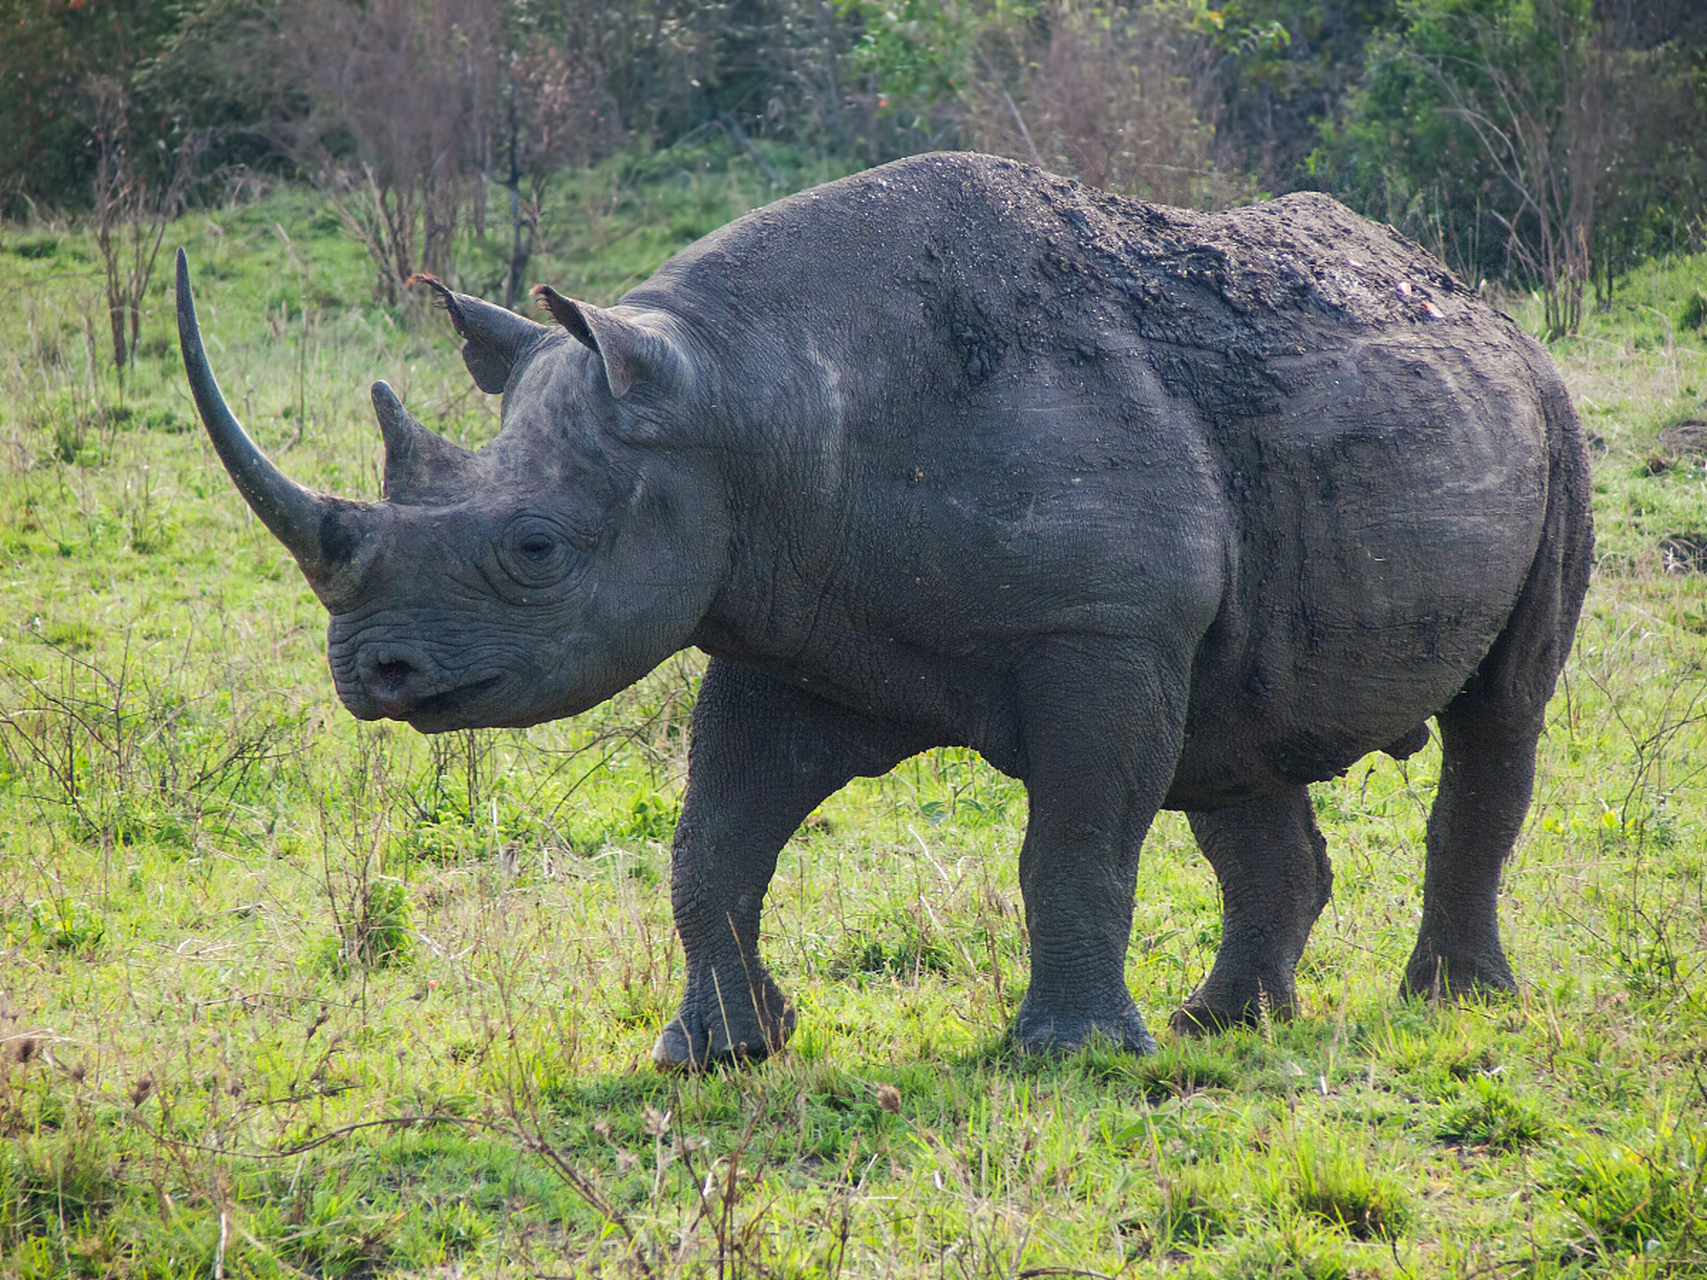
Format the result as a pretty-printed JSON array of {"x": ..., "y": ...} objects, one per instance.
[{"x": 282, "y": 994}]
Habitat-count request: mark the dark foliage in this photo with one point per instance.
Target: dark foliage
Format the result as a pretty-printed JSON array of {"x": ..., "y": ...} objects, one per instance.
[
  {"x": 1555, "y": 143},
  {"x": 1276, "y": 71},
  {"x": 51, "y": 54}
]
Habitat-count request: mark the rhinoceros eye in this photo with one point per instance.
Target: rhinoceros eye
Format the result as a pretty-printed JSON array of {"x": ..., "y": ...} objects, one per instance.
[{"x": 534, "y": 552}]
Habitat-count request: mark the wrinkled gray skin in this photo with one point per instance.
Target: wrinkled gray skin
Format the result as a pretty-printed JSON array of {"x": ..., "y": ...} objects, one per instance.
[{"x": 1151, "y": 508}]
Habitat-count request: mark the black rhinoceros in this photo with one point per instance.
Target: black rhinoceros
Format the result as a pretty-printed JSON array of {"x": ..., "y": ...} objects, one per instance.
[{"x": 1150, "y": 508}]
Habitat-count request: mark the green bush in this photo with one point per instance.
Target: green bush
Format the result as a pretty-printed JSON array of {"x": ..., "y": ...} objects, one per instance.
[
  {"x": 1695, "y": 311},
  {"x": 373, "y": 931}
]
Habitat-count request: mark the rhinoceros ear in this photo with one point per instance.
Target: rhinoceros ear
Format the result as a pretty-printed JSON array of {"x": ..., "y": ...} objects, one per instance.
[
  {"x": 634, "y": 355},
  {"x": 495, "y": 338}
]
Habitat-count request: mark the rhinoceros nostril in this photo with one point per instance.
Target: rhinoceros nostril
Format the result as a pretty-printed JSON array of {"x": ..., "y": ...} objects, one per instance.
[
  {"x": 393, "y": 672},
  {"x": 388, "y": 674}
]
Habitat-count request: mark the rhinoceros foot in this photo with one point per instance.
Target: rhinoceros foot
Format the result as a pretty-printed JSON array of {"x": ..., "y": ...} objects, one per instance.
[
  {"x": 698, "y": 1039},
  {"x": 1234, "y": 999},
  {"x": 1046, "y": 1033},
  {"x": 1470, "y": 974}
]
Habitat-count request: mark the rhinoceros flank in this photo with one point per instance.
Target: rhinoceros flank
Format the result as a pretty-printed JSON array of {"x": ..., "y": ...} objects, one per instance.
[{"x": 1151, "y": 508}]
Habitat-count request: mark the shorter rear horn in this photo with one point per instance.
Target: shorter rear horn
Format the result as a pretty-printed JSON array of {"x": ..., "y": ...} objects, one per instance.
[{"x": 418, "y": 462}]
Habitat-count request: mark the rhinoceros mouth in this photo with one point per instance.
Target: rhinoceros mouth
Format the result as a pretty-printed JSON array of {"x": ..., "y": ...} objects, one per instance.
[{"x": 441, "y": 710}]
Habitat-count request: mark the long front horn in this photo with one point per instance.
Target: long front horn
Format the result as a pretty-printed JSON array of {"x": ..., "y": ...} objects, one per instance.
[{"x": 322, "y": 532}]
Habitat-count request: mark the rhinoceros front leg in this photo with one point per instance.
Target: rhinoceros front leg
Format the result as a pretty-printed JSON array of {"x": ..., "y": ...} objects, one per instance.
[
  {"x": 1103, "y": 726},
  {"x": 1275, "y": 879},
  {"x": 763, "y": 755}
]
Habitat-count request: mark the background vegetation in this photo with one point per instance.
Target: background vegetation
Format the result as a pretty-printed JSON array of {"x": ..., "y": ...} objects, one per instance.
[
  {"x": 282, "y": 994},
  {"x": 1538, "y": 143}
]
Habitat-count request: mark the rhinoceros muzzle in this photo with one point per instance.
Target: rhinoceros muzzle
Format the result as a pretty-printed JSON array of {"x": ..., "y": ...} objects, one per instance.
[{"x": 389, "y": 680}]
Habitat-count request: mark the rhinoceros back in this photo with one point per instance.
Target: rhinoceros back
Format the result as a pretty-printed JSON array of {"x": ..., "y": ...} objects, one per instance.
[{"x": 1377, "y": 453}]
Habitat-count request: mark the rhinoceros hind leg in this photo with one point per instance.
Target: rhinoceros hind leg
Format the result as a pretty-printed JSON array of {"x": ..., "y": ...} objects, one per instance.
[
  {"x": 762, "y": 756},
  {"x": 1488, "y": 735},
  {"x": 1275, "y": 879},
  {"x": 1487, "y": 772}
]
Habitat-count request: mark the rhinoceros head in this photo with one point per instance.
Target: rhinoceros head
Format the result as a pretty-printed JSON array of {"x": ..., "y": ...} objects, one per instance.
[{"x": 529, "y": 579}]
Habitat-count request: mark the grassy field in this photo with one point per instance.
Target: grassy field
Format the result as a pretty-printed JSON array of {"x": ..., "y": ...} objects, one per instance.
[{"x": 282, "y": 994}]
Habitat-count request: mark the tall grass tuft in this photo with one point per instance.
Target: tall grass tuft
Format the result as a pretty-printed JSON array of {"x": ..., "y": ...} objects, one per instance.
[
  {"x": 1337, "y": 1187},
  {"x": 1492, "y": 1116}
]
